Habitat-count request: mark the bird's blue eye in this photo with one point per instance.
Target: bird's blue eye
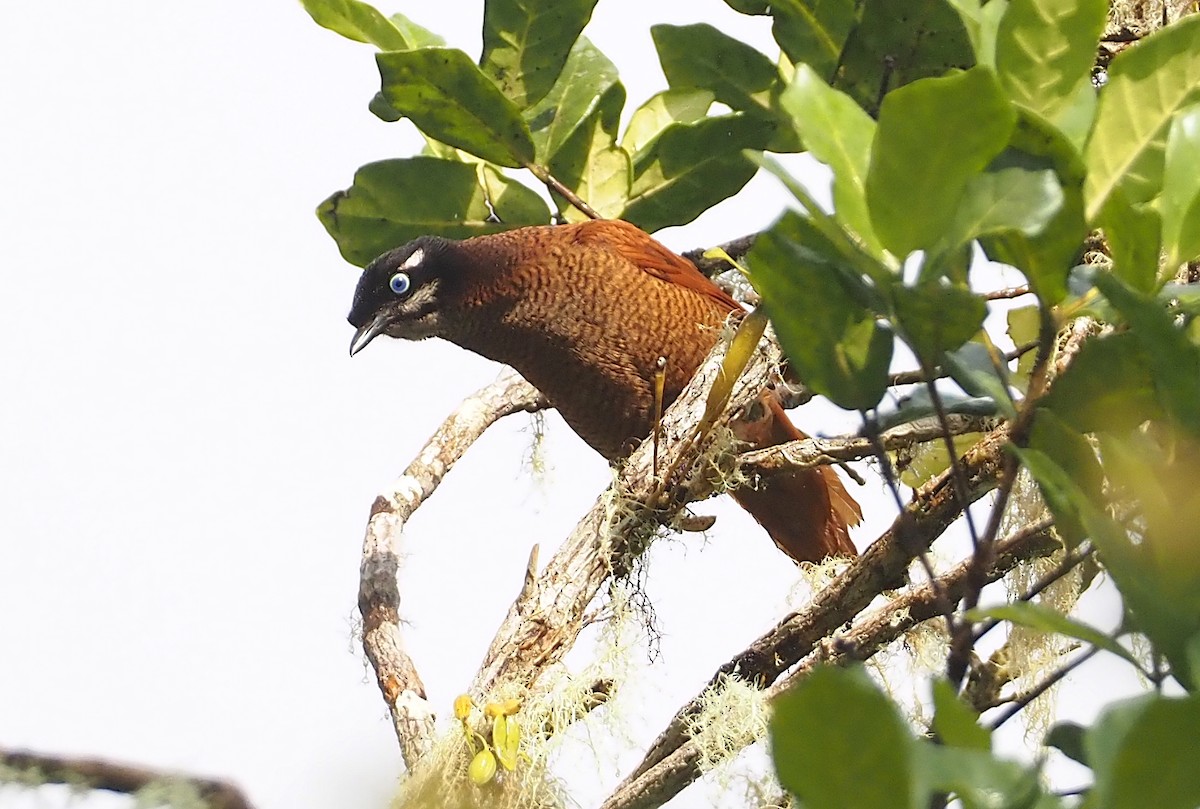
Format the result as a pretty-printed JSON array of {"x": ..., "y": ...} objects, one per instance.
[{"x": 400, "y": 283}]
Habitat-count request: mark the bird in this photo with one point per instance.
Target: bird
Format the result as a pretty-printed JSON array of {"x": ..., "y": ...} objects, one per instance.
[{"x": 584, "y": 312}]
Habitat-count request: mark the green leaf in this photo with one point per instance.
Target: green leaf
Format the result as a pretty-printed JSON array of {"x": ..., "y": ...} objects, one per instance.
[
  {"x": 1133, "y": 233},
  {"x": 1180, "y": 203},
  {"x": 839, "y": 134},
  {"x": 1107, "y": 387},
  {"x": 1076, "y": 456},
  {"x": 1046, "y": 257},
  {"x": 1045, "y": 50},
  {"x": 1142, "y": 754},
  {"x": 418, "y": 36},
  {"x": 834, "y": 342},
  {"x": 836, "y": 735},
  {"x": 919, "y": 405},
  {"x": 758, "y": 7},
  {"x": 1067, "y": 738},
  {"x": 1146, "y": 86},
  {"x": 975, "y": 777},
  {"x": 982, "y": 24},
  {"x": 936, "y": 317},
  {"x": 604, "y": 181},
  {"x": 956, "y": 723},
  {"x": 973, "y": 368},
  {"x": 1173, "y": 360},
  {"x": 814, "y": 32},
  {"x": 395, "y": 201},
  {"x": 587, "y": 87},
  {"x": 660, "y": 111},
  {"x": 913, "y": 191},
  {"x": 691, "y": 167},
  {"x": 1024, "y": 326},
  {"x": 449, "y": 99},
  {"x": 358, "y": 21},
  {"x": 526, "y": 42},
  {"x": 897, "y": 43},
  {"x": 700, "y": 56},
  {"x": 1044, "y": 619},
  {"x": 1004, "y": 200}
]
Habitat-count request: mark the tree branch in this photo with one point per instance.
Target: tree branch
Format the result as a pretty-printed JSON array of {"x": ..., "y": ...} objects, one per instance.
[
  {"x": 673, "y": 761},
  {"x": 127, "y": 779},
  {"x": 379, "y": 591},
  {"x": 810, "y": 452},
  {"x": 546, "y": 619},
  {"x": 882, "y": 566}
]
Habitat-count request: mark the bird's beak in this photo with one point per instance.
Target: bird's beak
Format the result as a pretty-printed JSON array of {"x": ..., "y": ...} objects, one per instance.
[{"x": 368, "y": 332}]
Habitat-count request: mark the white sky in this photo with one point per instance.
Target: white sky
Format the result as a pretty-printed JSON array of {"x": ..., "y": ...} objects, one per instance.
[{"x": 187, "y": 454}]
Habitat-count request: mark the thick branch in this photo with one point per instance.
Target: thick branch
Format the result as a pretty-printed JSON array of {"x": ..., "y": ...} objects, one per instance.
[
  {"x": 110, "y": 776},
  {"x": 546, "y": 618},
  {"x": 678, "y": 759},
  {"x": 881, "y": 567},
  {"x": 379, "y": 591}
]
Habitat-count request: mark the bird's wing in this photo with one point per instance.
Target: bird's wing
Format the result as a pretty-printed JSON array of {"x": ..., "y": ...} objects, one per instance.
[{"x": 636, "y": 246}]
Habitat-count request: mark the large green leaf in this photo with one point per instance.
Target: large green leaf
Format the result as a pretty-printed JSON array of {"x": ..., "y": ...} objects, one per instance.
[
  {"x": 1045, "y": 50},
  {"x": 839, "y": 134},
  {"x": 814, "y": 32},
  {"x": 1002, "y": 200},
  {"x": 1142, "y": 754},
  {"x": 898, "y": 42},
  {"x": 587, "y": 86},
  {"x": 660, "y": 111},
  {"x": 1173, "y": 360},
  {"x": 835, "y": 736},
  {"x": 956, "y": 723},
  {"x": 937, "y": 317},
  {"x": 1157, "y": 569},
  {"x": 1180, "y": 203},
  {"x": 1134, "y": 235},
  {"x": 395, "y": 201},
  {"x": 978, "y": 779},
  {"x": 597, "y": 170},
  {"x": 450, "y": 99},
  {"x": 918, "y": 174},
  {"x": 1147, "y": 85},
  {"x": 700, "y": 56},
  {"x": 1046, "y": 256},
  {"x": 834, "y": 342},
  {"x": 526, "y": 42},
  {"x": 691, "y": 167},
  {"x": 1073, "y": 453},
  {"x": 1107, "y": 387},
  {"x": 358, "y": 21}
]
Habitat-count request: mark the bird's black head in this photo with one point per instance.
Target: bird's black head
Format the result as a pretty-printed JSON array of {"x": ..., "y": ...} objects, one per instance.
[{"x": 397, "y": 294}]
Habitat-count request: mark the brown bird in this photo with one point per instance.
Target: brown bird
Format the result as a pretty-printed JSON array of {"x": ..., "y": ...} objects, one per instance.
[{"x": 584, "y": 311}]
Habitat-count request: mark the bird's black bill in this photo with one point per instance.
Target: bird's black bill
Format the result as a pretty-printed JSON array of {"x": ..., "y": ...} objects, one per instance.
[{"x": 368, "y": 332}]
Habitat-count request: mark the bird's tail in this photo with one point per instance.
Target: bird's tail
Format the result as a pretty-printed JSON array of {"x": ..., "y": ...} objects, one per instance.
[{"x": 808, "y": 512}]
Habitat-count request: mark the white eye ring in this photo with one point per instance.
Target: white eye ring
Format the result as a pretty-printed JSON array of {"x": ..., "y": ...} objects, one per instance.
[{"x": 400, "y": 283}]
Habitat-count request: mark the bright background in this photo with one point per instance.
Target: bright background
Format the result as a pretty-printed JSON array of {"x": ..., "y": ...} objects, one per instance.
[{"x": 187, "y": 454}]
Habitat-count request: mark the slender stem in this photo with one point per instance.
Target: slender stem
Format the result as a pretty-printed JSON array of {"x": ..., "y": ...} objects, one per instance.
[
  {"x": 553, "y": 183},
  {"x": 1042, "y": 687}
]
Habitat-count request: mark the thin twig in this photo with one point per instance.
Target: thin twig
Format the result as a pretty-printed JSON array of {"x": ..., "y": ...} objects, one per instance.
[
  {"x": 1069, "y": 561},
  {"x": 109, "y": 776},
  {"x": 919, "y": 377},
  {"x": 1029, "y": 696},
  {"x": 1006, "y": 294},
  {"x": 555, "y": 185}
]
